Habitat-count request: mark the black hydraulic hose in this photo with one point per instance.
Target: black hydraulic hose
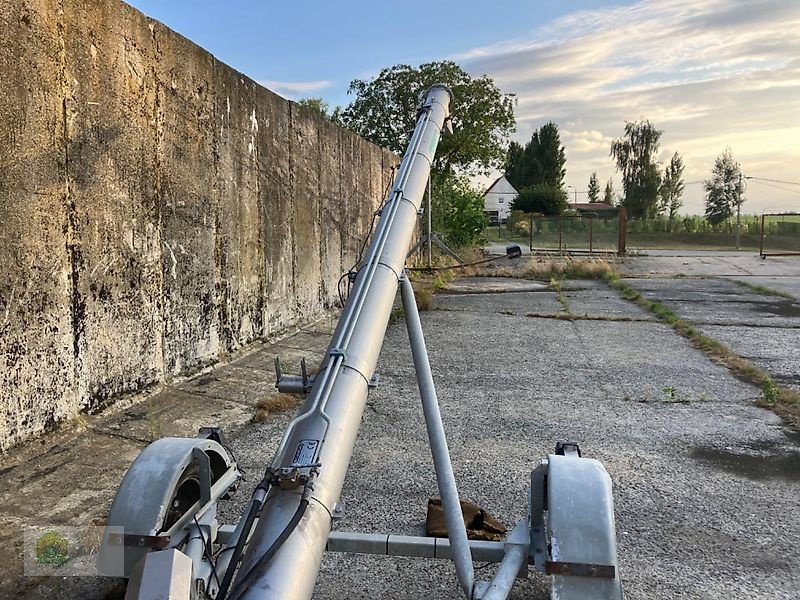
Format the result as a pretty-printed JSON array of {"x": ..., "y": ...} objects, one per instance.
[
  {"x": 243, "y": 582},
  {"x": 238, "y": 549}
]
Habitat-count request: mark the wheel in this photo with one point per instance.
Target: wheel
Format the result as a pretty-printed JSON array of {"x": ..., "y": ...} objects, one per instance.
[
  {"x": 185, "y": 496},
  {"x": 160, "y": 487}
]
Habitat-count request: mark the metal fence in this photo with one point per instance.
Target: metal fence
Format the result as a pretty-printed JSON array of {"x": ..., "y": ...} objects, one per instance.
[
  {"x": 588, "y": 233},
  {"x": 780, "y": 234}
]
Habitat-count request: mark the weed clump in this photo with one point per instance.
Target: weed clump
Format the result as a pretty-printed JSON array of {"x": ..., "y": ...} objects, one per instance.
[{"x": 274, "y": 404}]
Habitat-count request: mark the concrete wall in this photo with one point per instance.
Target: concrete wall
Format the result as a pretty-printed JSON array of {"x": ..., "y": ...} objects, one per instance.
[{"x": 157, "y": 208}]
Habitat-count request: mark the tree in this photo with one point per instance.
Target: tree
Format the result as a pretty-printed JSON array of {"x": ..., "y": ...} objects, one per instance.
[
  {"x": 515, "y": 165},
  {"x": 608, "y": 195},
  {"x": 541, "y": 198},
  {"x": 594, "y": 188},
  {"x": 724, "y": 189},
  {"x": 671, "y": 190},
  {"x": 457, "y": 212},
  {"x": 635, "y": 155},
  {"x": 316, "y": 104},
  {"x": 540, "y": 162},
  {"x": 384, "y": 111}
]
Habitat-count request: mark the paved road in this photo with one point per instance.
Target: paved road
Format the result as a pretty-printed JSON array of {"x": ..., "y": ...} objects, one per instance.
[{"x": 706, "y": 484}]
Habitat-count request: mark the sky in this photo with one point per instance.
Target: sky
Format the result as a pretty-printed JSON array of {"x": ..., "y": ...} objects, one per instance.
[{"x": 711, "y": 74}]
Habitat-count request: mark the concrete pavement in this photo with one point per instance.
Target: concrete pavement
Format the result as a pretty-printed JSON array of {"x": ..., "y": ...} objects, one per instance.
[{"x": 706, "y": 483}]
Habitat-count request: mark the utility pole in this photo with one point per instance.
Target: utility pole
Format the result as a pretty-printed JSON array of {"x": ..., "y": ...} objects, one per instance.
[
  {"x": 574, "y": 189},
  {"x": 738, "y": 209}
]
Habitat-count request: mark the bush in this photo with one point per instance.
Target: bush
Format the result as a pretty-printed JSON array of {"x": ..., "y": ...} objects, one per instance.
[
  {"x": 541, "y": 198},
  {"x": 457, "y": 212}
]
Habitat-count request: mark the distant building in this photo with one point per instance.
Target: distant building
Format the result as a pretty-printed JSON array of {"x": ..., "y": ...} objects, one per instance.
[
  {"x": 497, "y": 200},
  {"x": 591, "y": 207}
]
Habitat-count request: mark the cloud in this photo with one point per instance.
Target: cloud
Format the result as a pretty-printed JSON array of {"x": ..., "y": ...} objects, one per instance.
[
  {"x": 295, "y": 89},
  {"x": 710, "y": 74}
]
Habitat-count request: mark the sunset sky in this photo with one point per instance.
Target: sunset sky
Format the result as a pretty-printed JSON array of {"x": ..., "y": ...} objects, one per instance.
[{"x": 710, "y": 73}]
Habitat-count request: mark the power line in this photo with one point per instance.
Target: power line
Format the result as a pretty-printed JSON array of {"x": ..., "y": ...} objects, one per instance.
[
  {"x": 772, "y": 180},
  {"x": 777, "y": 187}
]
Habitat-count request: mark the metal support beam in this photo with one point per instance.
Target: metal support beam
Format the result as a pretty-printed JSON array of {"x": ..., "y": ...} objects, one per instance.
[
  {"x": 516, "y": 557},
  {"x": 386, "y": 544},
  {"x": 284, "y": 553},
  {"x": 441, "y": 454}
]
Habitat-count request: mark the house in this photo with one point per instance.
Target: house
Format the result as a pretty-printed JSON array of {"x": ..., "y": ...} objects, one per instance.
[{"x": 497, "y": 200}]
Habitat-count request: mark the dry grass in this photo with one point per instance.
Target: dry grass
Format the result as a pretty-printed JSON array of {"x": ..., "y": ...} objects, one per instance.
[
  {"x": 274, "y": 404},
  {"x": 424, "y": 298},
  {"x": 582, "y": 268},
  {"x": 553, "y": 268},
  {"x": 783, "y": 401}
]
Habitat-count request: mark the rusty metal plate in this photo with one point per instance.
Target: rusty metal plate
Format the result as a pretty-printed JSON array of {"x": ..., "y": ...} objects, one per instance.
[{"x": 580, "y": 569}]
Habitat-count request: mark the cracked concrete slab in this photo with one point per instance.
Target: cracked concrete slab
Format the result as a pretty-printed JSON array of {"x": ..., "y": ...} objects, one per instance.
[
  {"x": 778, "y": 272},
  {"x": 697, "y": 468}
]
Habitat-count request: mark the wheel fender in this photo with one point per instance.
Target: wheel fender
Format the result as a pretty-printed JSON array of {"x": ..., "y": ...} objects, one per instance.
[
  {"x": 142, "y": 499},
  {"x": 580, "y": 529}
]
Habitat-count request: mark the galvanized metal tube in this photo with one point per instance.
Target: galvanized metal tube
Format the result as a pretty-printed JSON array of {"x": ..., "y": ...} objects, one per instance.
[
  {"x": 445, "y": 478},
  {"x": 338, "y": 395},
  {"x": 352, "y": 309},
  {"x": 517, "y": 550},
  {"x": 409, "y": 545}
]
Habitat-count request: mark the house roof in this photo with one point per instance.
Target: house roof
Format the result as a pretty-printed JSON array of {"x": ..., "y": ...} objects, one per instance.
[
  {"x": 499, "y": 180},
  {"x": 592, "y": 206}
]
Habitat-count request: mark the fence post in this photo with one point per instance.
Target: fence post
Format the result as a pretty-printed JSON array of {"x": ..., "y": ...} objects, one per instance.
[
  {"x": 622, "y": 229},
  {"x": 761, "y": 240},
  {"x": 530, "y": 243},
  {"x": 591, "y": 226},
  {"x": 560, "y": 227}
]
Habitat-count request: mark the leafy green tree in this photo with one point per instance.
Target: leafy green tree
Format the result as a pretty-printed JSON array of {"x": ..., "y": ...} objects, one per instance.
[
  {"x": 316, "y": 104},
  {"x": 724, "y": 189},
  {"x": 608, "y": 194},
  {"x": 635, "y": 154},
  {"x": 671, "y": 190},
  {"x": 540, "y": 162},
  {"x": 458, "y": 214},
  {"x": 385, "y": 108},
  {"x": 515, "y": 165},
  {"x": 541, "y": 198},
  {"x": 594, "y": 188}
]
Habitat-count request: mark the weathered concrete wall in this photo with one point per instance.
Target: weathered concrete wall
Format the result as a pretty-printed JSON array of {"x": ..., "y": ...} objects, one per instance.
[{"x": 157, "y": 208}]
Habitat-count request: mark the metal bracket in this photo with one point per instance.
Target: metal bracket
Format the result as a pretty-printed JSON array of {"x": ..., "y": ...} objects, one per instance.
[
  {"x": 212, "y": 433},
  {"x": 568, "y": 449},
  {"x": 204, "y": 465},
  {"x": 553, "y": 567},
  {"x": 374, "y": 381},
  {"x": 338, "y": 511},
  {"x": 293, "y": 384}
]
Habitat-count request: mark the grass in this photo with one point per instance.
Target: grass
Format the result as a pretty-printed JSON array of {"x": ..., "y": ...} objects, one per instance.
[
  {"x": 424, "y": 298},
  {"x": 782, "y": 400},
  {"x": 274, "y": 404},
  {"x": 547, "y": 269},
  {"x": 763, "y": 290},
  {"x": 555, "y": 284}
]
